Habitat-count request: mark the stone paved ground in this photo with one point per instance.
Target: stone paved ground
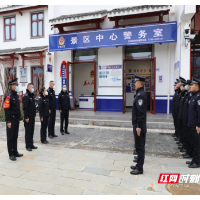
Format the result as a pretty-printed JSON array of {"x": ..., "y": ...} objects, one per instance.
[{"x": 88, "y": 161}]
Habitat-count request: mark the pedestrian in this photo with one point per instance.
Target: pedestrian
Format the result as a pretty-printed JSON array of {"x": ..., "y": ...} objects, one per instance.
[
  {"x": 13, "y": 117},
  {"x": 52, "y": 107},
  {"x": 44, "y": 111},
  {"x": 64, "y": 107},
  {"x": 29, "y": 110},
  {"x": 139, "y": 124},
  {"x": 194, "y": 122}
]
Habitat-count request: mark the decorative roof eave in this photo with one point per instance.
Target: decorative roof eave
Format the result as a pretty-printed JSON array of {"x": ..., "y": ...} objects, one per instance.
[
  {"x": 32, "y": 49},
  {"x": 8, "y": 51},
  {"x": 78, "y": 17},
  {"x": 137, "y": 10}
]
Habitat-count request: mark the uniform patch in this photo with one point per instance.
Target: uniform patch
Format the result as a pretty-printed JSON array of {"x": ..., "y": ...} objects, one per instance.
[
  {"x": 140, "y": 102},
  {"x": 7, "y": 102},
  {"x": 198, "y": 102}
]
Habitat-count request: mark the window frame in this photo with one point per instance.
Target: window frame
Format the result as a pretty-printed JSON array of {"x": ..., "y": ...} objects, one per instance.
[
  {"x": 10, "y": 24},
  {"x": 38, "y": 20}
]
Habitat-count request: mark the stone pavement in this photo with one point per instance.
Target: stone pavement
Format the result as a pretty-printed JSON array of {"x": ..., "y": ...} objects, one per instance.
[{"x": 65, "y": 167}]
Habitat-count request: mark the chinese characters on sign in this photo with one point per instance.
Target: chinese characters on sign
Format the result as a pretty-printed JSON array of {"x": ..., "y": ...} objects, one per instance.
[
  {"x": 23, "y": 75},
  {"x": 134, "y": 35},
  {"x": 110, "y": 76}
]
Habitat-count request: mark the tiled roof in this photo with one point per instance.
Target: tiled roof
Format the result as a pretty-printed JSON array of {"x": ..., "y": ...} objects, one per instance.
[
  {"x": 79, "y": 15},
  {"x": 8, "y": 51},
  {"x": 32, "y": 49},
  {"x": 137, "y": 8},
  {"x": 10, "y": 7}
]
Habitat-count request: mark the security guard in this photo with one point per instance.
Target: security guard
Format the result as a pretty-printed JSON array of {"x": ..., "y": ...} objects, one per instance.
[
  {"x": 13, "y": 117},
  {"x": 29, "y": 116},
  {"x": 194, "y": 122},
  {"x": 64, "y": 107},
  {"x": 180, "y": 114},
  {"x": 139, "y": 123},
  {"x": 44, "y": 111},
  {"x": 52, "y": 107},
  {"x": 173, "y": 105}
]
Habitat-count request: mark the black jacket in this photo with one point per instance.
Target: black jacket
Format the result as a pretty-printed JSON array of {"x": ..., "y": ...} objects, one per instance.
[
  {"x": 139, "y": 110},
  {"x": 64, "y": 101},
  {"x": 177, "y": 100},
  {"x": 43, "y": 104},
  {"x": 52, "y": 99},
  {"x": 194, "y": 110},
  {"x": 29, "y": 105},
  {"x": 188, "y": 96},
  {"x": 12, "y": 106},
  {"x": 181, "y": 104}
]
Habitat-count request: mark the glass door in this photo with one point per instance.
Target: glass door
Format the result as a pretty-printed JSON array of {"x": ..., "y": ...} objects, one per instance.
[
  {"x": 153, "y": 86},
  {"x": 70, "y": 83},
  {"x": 124, "y": 86}
]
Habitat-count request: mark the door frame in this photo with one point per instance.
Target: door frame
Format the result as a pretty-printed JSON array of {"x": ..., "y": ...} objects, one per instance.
[
  {"x": 124, "y": 81},
  {"x": 95, "y": 81}
]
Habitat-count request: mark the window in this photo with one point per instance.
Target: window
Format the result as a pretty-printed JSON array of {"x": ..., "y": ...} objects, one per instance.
[
  {"x": 85, "y": 55},
  {"x": 37, "y": 24},
  {"x": 9, "y": 28},
  {"x": 10, "y": 74}
]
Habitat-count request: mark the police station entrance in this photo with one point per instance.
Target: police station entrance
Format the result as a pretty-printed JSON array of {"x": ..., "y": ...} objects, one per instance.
[
  {"x": 138, "y": 60},
  {"x": 81, "y": 82}
]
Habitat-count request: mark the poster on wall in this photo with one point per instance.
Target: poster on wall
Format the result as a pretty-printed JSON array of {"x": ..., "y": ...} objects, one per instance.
[
  {"x": 49, "y": 63},
  {"x": 110, "y": 76},
  {"x": 176, "y": 71},
  {"x": 23, "y": 75}
]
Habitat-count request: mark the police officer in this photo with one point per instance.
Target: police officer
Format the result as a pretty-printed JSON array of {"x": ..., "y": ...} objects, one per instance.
[
  {"x": 52, "y": 107},
  {"x": 186, "y": 131},
  {"x": 64, "y": 107},
  {"x": 173, "y": 105},
  {"x": 29, "y": 116},
  {"x": 139, "y": 123},
  {"x": 180, "y": 114},
  {"x": 194, "y": 122},
  {"x": 43, "y": 104},
  {"x": 13, "y": 117}
]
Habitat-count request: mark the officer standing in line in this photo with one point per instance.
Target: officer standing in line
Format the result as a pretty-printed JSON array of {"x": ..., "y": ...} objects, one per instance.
[
  {"x": 180, "y": 114},
  {"x": 44, "y": 111},
  {"x": 52, "y": 107},
  {"x": 29, "y": 116},
  {"x": 139, "y": 124},
  {"x": 186, "y": 132},
  {"x": 173, "y": 106},
  {"x": 13, "y": 117},
  {"x": 194, "y": 122},
  {"x": 64, "y": 107}
]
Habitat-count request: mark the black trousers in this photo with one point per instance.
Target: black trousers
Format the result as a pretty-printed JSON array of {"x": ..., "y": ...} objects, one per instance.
[
  {"x": 188, "y": 137},
  {"x": 51, "y": 125},
  {"x": 140, "y": 146},
  {"x": 180, "y": 130},
  {"x": 29, "y": 132},
  {"x": 64, "y": 116},
  {"x": 176, "y": 123},
  {"x": 43, "y": 129},
  {"x": 196, "y": 146},
  {"x": 12, "y": 135}
]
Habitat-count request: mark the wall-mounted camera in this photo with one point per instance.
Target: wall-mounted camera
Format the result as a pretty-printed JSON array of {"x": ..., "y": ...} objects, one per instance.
[{"x": 188, "y": 37}]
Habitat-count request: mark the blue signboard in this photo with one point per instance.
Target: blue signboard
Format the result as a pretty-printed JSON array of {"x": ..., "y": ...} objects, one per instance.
[
  {"x": 134, "y": 35},
  {"x": 49, "y": 68},
  {"x": 64, "y": 79}
]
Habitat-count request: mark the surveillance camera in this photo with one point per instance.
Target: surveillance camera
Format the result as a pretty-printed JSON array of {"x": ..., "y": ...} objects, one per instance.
[
  {"x": 187, "y": 31},
  {"x": 190, "y": 36}
]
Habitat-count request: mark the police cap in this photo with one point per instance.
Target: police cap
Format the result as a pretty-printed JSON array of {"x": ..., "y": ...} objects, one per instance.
[
  {"x": 14, "y": 82},
  {"x": 139, "y": 78},
  {"x": 188, "y": 82},
  {"x": 181, "y": 79},
  {"x": 195, "y": 81},
  {"x": 183, "y": 82}
]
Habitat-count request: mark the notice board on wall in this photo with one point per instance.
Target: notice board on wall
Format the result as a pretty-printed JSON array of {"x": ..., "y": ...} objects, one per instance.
[{"x": 110, "y": 76}]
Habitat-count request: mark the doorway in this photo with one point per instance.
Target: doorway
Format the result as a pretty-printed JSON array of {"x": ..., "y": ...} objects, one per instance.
[
  {"x": 145, "y": 67},
  {"x": 81, "y": 84},
  {"x": 37, "y": 77}
]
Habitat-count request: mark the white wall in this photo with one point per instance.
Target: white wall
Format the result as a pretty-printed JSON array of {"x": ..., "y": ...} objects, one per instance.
[{"x": 82, "y": 74}]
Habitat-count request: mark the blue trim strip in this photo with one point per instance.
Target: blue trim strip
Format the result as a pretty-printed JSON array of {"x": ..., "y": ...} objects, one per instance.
[{"x": 109, "y": 95}]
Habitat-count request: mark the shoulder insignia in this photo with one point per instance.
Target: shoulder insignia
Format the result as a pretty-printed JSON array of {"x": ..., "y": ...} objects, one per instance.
[
  {"x": 7, "y": 102},
  {"x": 140, "y": 102},
  {"x": 198, "y": 102},
  {"x": 138, "y": 94}
]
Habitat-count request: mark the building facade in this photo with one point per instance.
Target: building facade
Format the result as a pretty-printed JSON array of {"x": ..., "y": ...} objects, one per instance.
[{"x": 101, "y": 78}]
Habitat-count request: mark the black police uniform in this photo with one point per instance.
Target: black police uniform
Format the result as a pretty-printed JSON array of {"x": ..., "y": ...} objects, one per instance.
[
  {"x": 13, "y": 116},
  {"x": 176, "y": 109},
  {"x": 64, "y": 106},
  {"x": 52, "y": 107},
  {"x": 139, "y": 121},
  {"x": 29, "y": 110},
  {"x": 43, "y": 104}
]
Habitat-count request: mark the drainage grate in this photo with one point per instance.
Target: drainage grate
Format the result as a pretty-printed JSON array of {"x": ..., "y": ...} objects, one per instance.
[{"x": 183, "y": 189}]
